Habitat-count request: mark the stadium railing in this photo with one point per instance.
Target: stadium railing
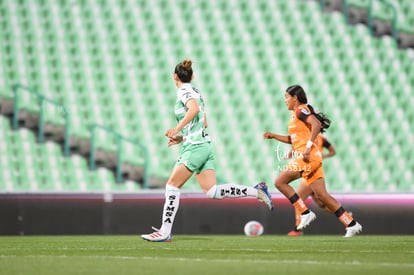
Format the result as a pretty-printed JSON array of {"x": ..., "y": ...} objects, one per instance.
[
  {"x": 41, "y": 100},
  {"x": 119, "y": 140}
]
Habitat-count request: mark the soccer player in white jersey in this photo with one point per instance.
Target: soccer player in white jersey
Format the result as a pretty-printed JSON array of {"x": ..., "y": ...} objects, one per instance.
[{"x": 196, "y": 156}]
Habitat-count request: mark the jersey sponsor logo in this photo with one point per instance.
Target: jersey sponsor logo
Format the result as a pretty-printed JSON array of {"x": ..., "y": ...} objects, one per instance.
[
  {"x": 233, "y": 191},
  {"x": 169, "y": 210}
]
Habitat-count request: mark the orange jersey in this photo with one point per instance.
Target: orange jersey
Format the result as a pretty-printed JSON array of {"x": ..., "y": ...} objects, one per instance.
[{"x": 299, "y": 131}]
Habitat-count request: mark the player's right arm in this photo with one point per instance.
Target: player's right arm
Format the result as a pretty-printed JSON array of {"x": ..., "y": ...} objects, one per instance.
[
  {"x": 175, "y": 140},
  {"x": 192, "y": 111},
  {"x": 285, "y": 139}
]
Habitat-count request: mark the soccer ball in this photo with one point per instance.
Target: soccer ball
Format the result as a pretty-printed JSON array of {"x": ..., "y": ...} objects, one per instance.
[{"x": 253, "y": 228}]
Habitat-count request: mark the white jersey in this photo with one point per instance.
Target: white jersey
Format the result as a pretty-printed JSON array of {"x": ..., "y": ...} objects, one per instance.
[{"x": 194, "y": 132}]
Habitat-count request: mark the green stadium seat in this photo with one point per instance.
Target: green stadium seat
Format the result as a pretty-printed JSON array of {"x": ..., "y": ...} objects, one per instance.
[{"x": 111, "y": 63}]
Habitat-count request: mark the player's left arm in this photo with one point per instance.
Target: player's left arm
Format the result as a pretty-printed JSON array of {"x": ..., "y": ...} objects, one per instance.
[{"x": 330, "y": 147}]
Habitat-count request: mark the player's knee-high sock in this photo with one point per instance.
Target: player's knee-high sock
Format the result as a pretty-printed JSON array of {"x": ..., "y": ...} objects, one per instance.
[
  {"x": 231, "y": 190},
  {"x": 344, "y": 217},
  {"x": 172, "y": 201},
  {"x": 298, "y": 204}
]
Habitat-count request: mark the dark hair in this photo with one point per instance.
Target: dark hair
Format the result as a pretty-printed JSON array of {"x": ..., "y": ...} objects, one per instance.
[
  {"x": 184, "y": 70},
  {"x": 296, "y": 90}
]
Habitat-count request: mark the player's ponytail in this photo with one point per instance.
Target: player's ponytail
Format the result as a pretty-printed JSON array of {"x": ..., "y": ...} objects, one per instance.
[
  {"x": 184, "y": 70},
  {"x": 298, "y": 91},
  {"x": 325, "y": 122}
]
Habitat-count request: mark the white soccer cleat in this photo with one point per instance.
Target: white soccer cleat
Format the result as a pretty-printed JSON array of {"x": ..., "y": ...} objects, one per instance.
[
  {"x": 353, "y": 230},
  {"x": 157, "y": 236},
  {"x": 306, "y": 219}
]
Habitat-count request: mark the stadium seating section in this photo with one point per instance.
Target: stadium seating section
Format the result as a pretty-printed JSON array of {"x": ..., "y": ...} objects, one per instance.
[
  {"x": 381, "y": 11},
  {"x": 110, "y": 62}
]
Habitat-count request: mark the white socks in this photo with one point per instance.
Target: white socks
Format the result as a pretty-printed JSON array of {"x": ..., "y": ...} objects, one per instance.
[
  {"x": 231, "y": 190},
  {"x": 172, "y": 201}
]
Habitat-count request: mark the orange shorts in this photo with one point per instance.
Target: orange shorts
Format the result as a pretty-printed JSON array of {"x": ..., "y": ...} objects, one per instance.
[{"x": 310, "y": 171}]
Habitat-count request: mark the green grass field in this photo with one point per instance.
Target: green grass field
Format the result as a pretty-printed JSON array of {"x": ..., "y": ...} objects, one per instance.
[{"x": 207, "y": 254}]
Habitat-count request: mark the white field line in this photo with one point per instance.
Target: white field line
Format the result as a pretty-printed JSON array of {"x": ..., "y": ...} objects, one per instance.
[
  {"x": 216, "y": 260},
  {"x": 259, "y": 250}
]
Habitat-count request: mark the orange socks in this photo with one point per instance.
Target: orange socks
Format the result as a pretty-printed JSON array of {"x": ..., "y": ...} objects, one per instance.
[
  {"x": 300, "y": 208},
  {"x": 298, "y": 203},
  {"x": 344, "y": 217}
]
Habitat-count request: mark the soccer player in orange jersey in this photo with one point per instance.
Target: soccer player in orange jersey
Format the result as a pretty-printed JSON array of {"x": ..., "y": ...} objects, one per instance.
[
  {"x": 303, "y": 128},
  {"x": 303, "y": 190}
]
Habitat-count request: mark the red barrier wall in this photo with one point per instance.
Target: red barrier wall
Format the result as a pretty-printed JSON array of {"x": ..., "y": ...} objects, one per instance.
[{"x": 63, "y": 214}]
